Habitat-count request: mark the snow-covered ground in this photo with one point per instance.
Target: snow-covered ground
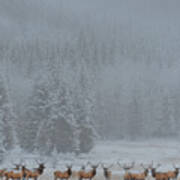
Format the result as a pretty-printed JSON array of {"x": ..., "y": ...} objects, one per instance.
[{"x": 165, "y": 152}]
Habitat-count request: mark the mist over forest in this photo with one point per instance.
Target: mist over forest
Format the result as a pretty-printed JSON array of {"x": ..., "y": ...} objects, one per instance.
[{"x": 73, "y": 72}]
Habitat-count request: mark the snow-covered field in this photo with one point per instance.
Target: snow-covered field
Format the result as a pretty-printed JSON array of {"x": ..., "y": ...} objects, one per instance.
[{"x": 165, "y": 152}]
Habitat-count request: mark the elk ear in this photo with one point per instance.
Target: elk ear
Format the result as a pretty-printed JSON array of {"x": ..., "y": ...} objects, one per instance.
[
  {"x": 37, "y": 161},
  {"x": 142, "y": 165},
  {"x": 158, "y": 165}
]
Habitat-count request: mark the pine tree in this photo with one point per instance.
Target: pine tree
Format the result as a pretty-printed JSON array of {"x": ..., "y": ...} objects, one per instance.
[
  {"x": 37, "y": 113},
  {"x": 83, "y": 106},
  {"x": 57, "y": 129},
  {"x": 6, "y": 117}
]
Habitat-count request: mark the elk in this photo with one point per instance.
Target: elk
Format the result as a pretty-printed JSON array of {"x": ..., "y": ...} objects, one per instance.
[
  {"x": 107, "y": 172},
  {"x": 63, "y": 175},
  {"x": 34, "y": 174},
  {"x": 140, "y": 176},
  {"x": 2, "y": 171},
  {"x": 13, "y": 175},
  {"x": 173, "y": 174},
  {"x": 88, "y": 175},
  {"x": 128, "y": 175},
  {"x": 158, "y": 175}
]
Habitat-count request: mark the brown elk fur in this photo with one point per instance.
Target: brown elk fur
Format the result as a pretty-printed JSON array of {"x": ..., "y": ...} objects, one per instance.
[
  {"x": 159, "y": 175},
  {"x": 140, "y": 176},
  {"x": 63, "y": 175},
  {"x": 2, "y": 172},
  {"x": 35, "y": 174},
  {"x": 12, "y": 175},
  {"x": 15, "y": 176},
  {"x": 133, "y": 176},
  {"x": 128, "y": 176},
  {"x": 173, "y": 174},
  {"x": 107, "y": 172},
  {"x": 87, "y": 175}
]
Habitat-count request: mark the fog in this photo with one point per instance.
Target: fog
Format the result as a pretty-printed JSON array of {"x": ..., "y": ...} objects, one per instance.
[{"x": 111, "y": 67}]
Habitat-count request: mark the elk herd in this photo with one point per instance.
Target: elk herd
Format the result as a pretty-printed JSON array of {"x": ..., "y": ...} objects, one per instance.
[{"x": 20, "y": 172}]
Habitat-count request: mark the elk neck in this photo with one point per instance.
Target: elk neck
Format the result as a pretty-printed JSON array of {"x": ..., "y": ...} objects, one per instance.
[
  {"x": 153, "y": 172},
  {"x": 40, "y": 170},
  {"x": 176, "y": 171},
  {"x": 106, "y": 172},
  {"x": 94, "y": 171},
  {"x": 146, "y": 171},
  {"x": 69, "y": 171}
]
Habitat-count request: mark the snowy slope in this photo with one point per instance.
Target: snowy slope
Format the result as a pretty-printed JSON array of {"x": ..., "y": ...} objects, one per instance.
[{"x": 165, "y": 152}]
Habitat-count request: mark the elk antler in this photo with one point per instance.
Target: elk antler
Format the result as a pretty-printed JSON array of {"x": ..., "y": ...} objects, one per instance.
[
  {"x": 142, "y": 165},
  {"x": 89, "y": 163},
  {"x": 107, "y": 167},
  {"x": 69, "y": 166},
  {"x": 15, "y": 164},
  {"x": 36, "y": 161},
  {"x": 151, "y": 165},
  {"x": 39, "y": 163},
  {"x": 128, "y": 167},
  {"x": 92, "y": 165},
  {"x": 118, "y": 163},
  {"x": 95, "y": 165},
  {"x": 158, "y": 165},
  {"x": 175, "y": 167}
]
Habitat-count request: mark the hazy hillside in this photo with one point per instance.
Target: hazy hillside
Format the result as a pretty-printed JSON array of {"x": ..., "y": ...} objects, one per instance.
[{"x": 87, "y": 70}]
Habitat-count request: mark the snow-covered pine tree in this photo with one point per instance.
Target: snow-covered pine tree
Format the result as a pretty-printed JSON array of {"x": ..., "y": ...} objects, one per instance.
[
  {"x": 37, "y": 112},
  {"x": 167, "y": 116},
  {"x": 83, "y": 106},
  {"x": 6, "y": 117},
  {"x": 57, "y": 129},
  {"x": 84, "y": 130}
]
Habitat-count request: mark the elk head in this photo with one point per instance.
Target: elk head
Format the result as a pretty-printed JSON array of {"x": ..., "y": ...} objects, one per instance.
[
  {"x": 94, "y": 167},
  {"x": 69, "y": 169},
  {"x": 153, "y": 169},
  {"x": 107, "y": 173},
  {"x": 106, "y": 168},
  {"x": 41, "y": 167},
  {"x": 41, "y": 164},
  {"x": 176, "y": 169},
  {"x": 146, "y": 169}
]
